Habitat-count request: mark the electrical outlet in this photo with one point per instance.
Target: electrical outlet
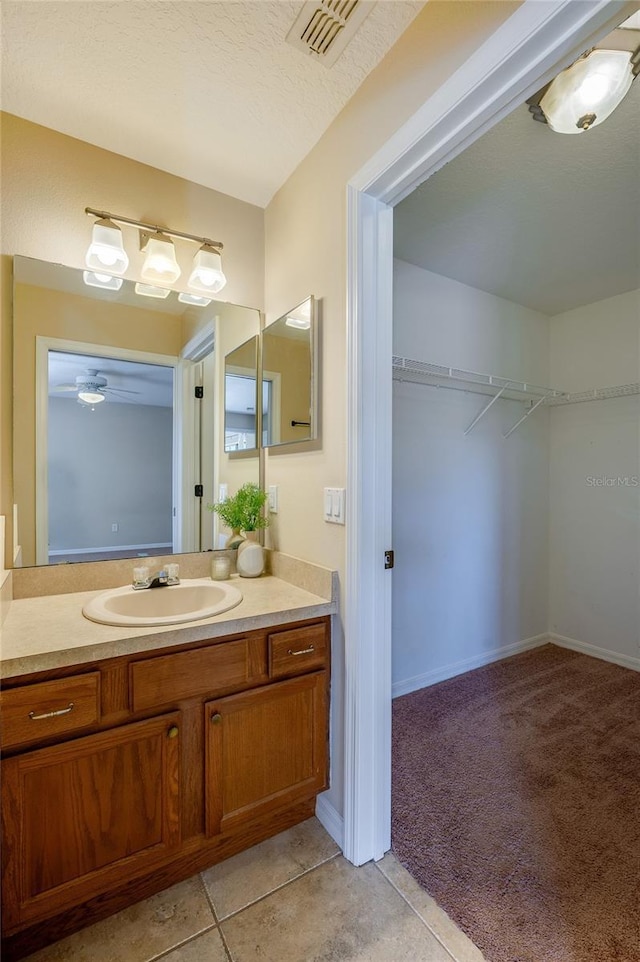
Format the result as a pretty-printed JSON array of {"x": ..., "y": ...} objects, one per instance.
[{"x": 115, "y": 526}]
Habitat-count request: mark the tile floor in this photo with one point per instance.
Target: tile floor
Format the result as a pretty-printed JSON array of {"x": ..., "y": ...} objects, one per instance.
[{"x": 292, "y": 898}]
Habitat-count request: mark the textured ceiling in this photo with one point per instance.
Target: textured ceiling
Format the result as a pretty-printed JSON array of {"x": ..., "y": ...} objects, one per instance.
[
  {"x": 205, "y": 89},
  {"x": 547, "y": 220}
]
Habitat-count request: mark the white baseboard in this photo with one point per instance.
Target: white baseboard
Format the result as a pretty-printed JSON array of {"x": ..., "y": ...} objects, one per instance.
[
  {"x": 626, "y": 661},
  {"x": 330, "y": 819},
  {"x": 109, "y": 548},
  {"x": 459, "y": 667}
]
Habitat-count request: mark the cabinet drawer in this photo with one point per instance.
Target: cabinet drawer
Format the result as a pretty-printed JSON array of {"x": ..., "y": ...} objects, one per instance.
[
  {"x": 35, "y": 712},
  {"x": 297, "y": 651},
  {"x": 187, "y": 674}
]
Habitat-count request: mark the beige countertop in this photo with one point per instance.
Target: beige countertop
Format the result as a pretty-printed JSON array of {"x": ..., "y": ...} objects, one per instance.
[{"x": 50, "y": 631}]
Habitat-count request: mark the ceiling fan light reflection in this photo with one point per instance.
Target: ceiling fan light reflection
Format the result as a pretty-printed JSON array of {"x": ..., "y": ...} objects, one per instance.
[
  {"x": 91, "y": 397},
  {"x": 148, "y": 290},
  {"x": 105, "y": 281},
  {"x": 588, "y": 91},
  {"x": 160, "y": 264},
  {"x": 207, "y": 275}
]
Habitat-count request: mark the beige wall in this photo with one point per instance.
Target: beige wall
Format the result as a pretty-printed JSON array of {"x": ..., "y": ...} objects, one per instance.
[
  {"x": 305, "y": 241},
  {"x": 47, "y": 181},
  {"x": 305, "y": 253},
  {"x": 6, "y": 403}
]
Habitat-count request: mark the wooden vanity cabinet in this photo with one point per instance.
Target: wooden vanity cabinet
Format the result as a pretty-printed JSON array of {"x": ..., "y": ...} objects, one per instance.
[{"x": 173, "y": 760}]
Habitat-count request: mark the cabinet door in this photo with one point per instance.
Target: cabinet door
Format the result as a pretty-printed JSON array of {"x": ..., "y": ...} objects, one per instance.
[
  {"x": 265, "y": 749},
  {"x": 84, "y": 816}
]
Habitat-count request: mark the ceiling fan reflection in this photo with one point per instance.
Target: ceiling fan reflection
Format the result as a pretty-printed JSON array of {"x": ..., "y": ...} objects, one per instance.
[{"x": 92, "y": 388}]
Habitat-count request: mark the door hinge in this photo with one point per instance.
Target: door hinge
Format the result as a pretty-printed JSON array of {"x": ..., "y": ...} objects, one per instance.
[
  {"x": 389, "y": 559},
  {"x": 199, "y": 392},
  {"x": 198, "y": 491}
]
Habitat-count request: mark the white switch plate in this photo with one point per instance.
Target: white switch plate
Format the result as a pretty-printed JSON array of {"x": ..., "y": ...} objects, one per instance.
[
  {"x": 273, "y": 498},
  {"x": 223, "y": 492},
  {"x": 334, "y": 505}
]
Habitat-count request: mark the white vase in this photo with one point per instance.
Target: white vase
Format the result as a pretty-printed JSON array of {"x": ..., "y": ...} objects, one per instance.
[{"x": 250, "y": 557}]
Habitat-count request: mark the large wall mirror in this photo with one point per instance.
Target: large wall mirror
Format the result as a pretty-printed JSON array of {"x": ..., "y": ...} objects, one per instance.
[
  {"x": 289, "y": 377},
  {"x": 110, "y": 438}
]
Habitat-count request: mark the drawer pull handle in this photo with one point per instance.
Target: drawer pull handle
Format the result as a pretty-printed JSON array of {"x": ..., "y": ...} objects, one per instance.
[
  {"x": 173, "y": 732},
  {"x": 52, "y": 714},
  {"x": 216, "y": 718},
  {"x": 303, "y": 651}
]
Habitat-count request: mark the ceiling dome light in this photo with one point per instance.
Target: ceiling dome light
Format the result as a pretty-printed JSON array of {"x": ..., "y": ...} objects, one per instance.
[
  {"x": 160, "y": 264},
  {"x": 194, "y": 299},
  {"x": 207, "y": 276},
  {"x": 148, "y": 290},
  {"x": 91, "y": 397},
  {"x": 106, "y": 281},
  {"x": 588, "y": 91},
  {"x": 106, "y": 251}
]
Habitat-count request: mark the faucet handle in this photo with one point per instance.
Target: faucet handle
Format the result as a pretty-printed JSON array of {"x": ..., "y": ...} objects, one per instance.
[
  {"x": 140, "y": 577},
  {"x": 173, "y": 574}
]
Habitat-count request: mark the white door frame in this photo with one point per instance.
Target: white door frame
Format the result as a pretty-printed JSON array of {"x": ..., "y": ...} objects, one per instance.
[{"x": 520, "y": 57}]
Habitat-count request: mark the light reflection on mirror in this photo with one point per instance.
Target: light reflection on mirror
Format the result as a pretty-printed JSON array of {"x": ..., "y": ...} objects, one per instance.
[
  {"x": 54, "y": 310},
  {"x": 289, "y": 381}
]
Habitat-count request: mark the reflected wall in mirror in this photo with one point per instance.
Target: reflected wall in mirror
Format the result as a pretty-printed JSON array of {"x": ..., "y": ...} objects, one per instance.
[
  {"x": 289, "y": 377},
  {"x": 112, "y": 475},
  {"x": 241, "y": 398}
]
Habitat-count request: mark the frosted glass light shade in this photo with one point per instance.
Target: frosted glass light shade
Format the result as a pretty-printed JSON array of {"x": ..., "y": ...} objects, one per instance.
[
  {"x": 106, "y": 281},
  {"x": 90, "y": 397},
  {"x": 148, "y": 290},
  {"x": 207, "y": 276},
  {"x": 588, "y": 91},
  {"x": 160, "y": 264},
  {"x": 106, "y": 251},
  {"x": 195, "y": 299}
]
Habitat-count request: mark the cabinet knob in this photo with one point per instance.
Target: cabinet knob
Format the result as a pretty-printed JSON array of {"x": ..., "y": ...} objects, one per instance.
[
  {"x": 173, "y": 732},
  {"x": 216, "y": 718}
]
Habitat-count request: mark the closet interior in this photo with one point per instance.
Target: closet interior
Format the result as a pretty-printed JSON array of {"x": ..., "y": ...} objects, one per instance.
[{"x": 516, "y": 367}]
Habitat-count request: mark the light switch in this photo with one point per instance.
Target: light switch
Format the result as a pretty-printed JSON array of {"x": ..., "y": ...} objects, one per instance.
[
  {"x": 334, "y": 502},
  {"x": 223, "y": 492},
  {"x": 273, "y": 498}
]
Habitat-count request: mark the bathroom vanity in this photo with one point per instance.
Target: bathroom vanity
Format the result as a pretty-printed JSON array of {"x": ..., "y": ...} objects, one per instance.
[{"x": 127, "y": 773}]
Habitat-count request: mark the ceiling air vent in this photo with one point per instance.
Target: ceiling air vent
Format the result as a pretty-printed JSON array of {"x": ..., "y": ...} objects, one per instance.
[{"x": 325, "y": 27}]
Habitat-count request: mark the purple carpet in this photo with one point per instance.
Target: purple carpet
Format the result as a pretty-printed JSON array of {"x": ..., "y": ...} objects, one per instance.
[{"x": 516, "y": 805}]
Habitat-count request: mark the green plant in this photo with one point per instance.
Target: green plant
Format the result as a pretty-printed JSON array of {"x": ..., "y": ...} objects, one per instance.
[{"x": 243, "y": 511}]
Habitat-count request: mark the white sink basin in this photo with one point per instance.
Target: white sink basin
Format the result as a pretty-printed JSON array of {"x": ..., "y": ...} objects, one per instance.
[{"x": 173, "y": 605}]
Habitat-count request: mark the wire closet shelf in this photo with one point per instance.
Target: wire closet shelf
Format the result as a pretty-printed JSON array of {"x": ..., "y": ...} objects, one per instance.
[{"x": 495, "y": 387}]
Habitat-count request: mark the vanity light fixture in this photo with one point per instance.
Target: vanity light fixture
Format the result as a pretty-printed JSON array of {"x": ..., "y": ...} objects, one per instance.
[
  {"x": 105, "y": 281},
  {"x": 150, "y": 290},
  {"x": 160, "y": 264},
  {"x": 207, "y": 275},
  {"x": 106, "y": 250},
  {"x": 588, "y": 91}
]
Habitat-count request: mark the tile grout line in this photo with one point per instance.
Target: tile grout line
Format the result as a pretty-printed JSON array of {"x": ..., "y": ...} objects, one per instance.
[
  {"x": 278, "y": 888},
  {"x": 424, "y": 922},
  {"x": 179, "y": 945},
  {"x": 209, "y": 898}
]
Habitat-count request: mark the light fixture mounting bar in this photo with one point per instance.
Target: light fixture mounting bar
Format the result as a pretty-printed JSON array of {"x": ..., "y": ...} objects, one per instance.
[{"x": 155, "y": 228}]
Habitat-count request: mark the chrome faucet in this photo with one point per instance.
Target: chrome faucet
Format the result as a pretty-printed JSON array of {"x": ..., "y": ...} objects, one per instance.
[{"x": 162, "y": 579}]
